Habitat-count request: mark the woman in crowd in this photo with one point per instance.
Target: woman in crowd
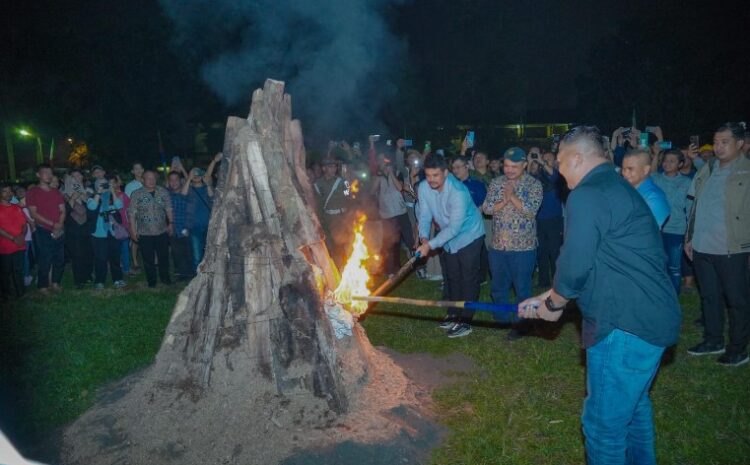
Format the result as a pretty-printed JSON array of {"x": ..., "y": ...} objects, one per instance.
[
  {"x": 107, "y": 248},
  {"x": 78, "y": 223},
  {"x": 116, "y": 183}
]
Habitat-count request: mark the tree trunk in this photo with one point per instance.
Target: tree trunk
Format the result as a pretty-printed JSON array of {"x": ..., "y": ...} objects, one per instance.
[{"x": 249, "y": 353}]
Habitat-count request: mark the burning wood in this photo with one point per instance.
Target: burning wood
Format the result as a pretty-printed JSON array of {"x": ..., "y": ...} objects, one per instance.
[{"x": 354, "y": 277}]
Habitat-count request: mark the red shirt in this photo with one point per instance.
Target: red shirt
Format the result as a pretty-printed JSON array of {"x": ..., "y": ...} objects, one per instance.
[
  {"x": 12, "y": 220},
  {"x": 47, "y": 204}
]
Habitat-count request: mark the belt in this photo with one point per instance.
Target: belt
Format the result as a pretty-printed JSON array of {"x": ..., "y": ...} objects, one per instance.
[{"x": 338, "y": 211}]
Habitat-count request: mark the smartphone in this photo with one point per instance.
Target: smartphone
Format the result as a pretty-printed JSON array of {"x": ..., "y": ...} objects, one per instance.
[
  {"x": 388, "y": 142},
  {"x": 375, "y": 137},
  {"x": 408, "y": 143},
  {"x": 356, "y": 146},
  {"x": 644, "y": 139},
  {"x": 470, "y": 139},
  {"x": 651, "y": 129},
  {"x": 626, "y": 132},
  {"x": 695, "y": 140},
  {"x": 605, "y": 140},
  {"x": 427, "y": 146},
  {"x": 665, "y": 145}
]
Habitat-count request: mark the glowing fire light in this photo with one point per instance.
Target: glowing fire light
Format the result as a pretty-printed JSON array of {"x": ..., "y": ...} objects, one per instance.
[
  {"x": 355, "y": 186},
  {"x": 354, "y": 277}
]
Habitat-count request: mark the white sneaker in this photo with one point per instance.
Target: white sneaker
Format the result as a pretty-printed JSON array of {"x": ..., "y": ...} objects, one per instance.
[{"x": 120, "y": 283}]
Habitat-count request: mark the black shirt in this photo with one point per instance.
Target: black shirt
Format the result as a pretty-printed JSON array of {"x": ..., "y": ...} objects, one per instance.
[{"x": 613, "y": 262}]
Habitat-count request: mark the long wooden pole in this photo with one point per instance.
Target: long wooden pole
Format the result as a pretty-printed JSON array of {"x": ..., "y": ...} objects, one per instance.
[{"x": 480, "y": 306}]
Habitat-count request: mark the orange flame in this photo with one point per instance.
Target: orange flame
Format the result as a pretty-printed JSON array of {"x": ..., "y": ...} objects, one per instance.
[{"x": 354, "y": 277}]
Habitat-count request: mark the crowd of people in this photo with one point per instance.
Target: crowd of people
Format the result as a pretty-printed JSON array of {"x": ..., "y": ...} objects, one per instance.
[
  {"x": 104, "y": 228},
  {"x": 521, "y": 199},
  {"x": 621, "y": 225}
]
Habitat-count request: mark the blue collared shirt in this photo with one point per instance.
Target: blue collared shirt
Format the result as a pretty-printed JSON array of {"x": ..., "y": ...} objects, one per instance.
[
  {"x": 656, "y": 200},
  {"x": 454, "y": 212},
  {"x": 103, "y": 208}
]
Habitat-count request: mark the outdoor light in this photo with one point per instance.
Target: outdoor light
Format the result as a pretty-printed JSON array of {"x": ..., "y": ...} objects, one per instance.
[{"x": 25, "y": 132}]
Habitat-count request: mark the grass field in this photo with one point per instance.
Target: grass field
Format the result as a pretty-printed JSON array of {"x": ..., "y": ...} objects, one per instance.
[{"x": 521, "y": 405}]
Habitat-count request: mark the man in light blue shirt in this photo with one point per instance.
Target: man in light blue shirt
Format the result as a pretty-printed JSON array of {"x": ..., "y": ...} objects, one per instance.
[
  {"x": 445, "y": 200},
  {"x": 636, "y": 169}
]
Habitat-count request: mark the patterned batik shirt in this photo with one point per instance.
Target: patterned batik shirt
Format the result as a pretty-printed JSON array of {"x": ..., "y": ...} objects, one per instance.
[
  {"x": 149, "y": 209},
  {"x": 514, "y": 230}
]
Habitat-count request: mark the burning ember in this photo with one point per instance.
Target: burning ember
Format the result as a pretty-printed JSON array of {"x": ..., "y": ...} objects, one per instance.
[{"x": 354, "y": 277}]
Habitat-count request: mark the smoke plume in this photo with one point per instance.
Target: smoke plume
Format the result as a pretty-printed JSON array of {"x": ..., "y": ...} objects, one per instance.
[{"x": 338, "y": 57}]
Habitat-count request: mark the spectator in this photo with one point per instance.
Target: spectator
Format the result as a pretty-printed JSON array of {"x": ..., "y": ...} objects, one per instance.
[
  {"x": 182, "y": 254},
  {"x": 97, "y": 173},
  {"x": 636, "y": 167},
  {"x": 630, "y": 312},
  {"x": 12, "y": 245},
  {"x": 513, "y": 201},
  {"x": 79, "y": 223},
  {"x": 688, "y": 169},
  {"x": 106, "y": 246},
  {"x": 137, "y": 171},
  {"x": 718, "y": 242},
  {"x": 333, "y": 203},
  {"x": 19, "y": 198},
  {"x": 496, "y": 167},
  {"x": 482, "y": 170},
  {"x": 476, "y": 187},
  {"x": 137, "y": 182},
  {"x": 675, "y": 187},
  {"x": 549, "y": 219},
  {"x": 116, "y": 183},
  {"x": 393, "y": 215},
  {"x": 47, "y": 207},
  {"x": 150, "y": 216},
  {"x": 446, "y": 201},
  {"x": 200, "y": 193}
]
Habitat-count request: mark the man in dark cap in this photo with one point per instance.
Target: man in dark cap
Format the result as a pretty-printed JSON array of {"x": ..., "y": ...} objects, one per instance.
[
  {"x": 513, "y": 200},
  {"x": 332, "y": 192}
]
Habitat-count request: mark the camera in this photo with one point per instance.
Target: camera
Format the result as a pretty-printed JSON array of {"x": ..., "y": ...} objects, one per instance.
[{"x": 534, "y": 156}]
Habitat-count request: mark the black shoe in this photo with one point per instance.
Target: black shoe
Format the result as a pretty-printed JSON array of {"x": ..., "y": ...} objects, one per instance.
[
  {"x": 448, "y": 323},
  {"x": 459, "y": 330},
  {"x": 706, "y": 348},
  {"x": 734, "y": 360}
]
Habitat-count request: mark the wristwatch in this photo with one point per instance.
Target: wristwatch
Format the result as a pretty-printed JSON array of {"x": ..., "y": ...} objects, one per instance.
[{"x": 551, "y": 306}]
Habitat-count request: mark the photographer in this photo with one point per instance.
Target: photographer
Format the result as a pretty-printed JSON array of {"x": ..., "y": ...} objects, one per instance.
[
  {"x": 396, "y": 225},
  {"x": 106, "y": 246},
  {"x": 179, "y": 241}
]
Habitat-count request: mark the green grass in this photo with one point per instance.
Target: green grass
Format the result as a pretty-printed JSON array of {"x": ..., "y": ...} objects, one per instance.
[{"x": 521, "y": 405}]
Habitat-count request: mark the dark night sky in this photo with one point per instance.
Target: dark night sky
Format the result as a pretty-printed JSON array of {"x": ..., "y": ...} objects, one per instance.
[{"x": 116, "y": 72}]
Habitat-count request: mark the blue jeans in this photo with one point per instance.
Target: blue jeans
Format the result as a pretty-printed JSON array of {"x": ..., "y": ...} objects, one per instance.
[
  {"x": 617, "y": 416},
  {"x": 673, "y": 248},
  {"x": 510, "y": 269},
  {"x": 125, "y": 255},
  {"x": 198, "y": 244}
]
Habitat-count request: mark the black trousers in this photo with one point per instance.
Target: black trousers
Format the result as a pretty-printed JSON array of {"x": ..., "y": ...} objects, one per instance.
[
  {"x": 153, "y": 248},
  {"x": 80, "y": 249},
  {"x": 395, "y": 230},
  {"x": 50, "y": 256},
  {"x": 107, "y": 252},
  {"x": 11, "y": 274},
  {"x": 182, "y": 256},
  {"x": 724, "y": 275},
  {"x": 461, "y": 277},
  {"x": 550, "y": 234}
]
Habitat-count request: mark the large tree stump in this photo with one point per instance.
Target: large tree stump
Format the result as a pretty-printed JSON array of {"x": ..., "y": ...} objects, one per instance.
[{"x": 249, "y": 368}]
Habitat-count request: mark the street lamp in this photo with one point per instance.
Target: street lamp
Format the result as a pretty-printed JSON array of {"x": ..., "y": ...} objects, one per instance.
[{"x": 23, "y": 132}]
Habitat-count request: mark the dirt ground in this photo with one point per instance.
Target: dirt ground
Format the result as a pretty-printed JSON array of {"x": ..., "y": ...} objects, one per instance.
[{"x": 392, "y": 422}]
